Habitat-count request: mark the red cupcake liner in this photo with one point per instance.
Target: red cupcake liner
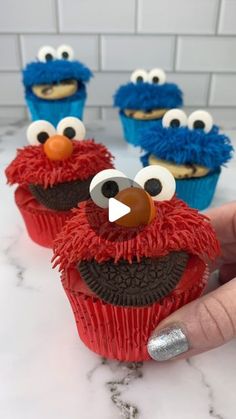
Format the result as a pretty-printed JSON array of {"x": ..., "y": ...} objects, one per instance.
[
  {"x": 42, "y": 223},
  {"x": 122, "y": 333}
]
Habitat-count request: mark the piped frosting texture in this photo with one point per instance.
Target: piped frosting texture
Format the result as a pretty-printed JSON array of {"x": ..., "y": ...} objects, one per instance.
[
  {"x": 184, "y": 146},
  {"x": 146, "y": 96}
]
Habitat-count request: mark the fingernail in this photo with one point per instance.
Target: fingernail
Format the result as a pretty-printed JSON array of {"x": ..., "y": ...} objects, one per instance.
[{"x": 167, "y": 343}]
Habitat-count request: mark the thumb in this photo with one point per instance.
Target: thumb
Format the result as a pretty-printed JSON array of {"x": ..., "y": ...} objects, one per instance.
[{"x": 197, "y": 327}]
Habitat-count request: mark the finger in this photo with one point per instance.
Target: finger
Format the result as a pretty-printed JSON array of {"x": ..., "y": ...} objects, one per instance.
[
  {"x": 223, "y": 220},
  {"x": 197, "y": 327},
  {"x": 227, "y": 272}
]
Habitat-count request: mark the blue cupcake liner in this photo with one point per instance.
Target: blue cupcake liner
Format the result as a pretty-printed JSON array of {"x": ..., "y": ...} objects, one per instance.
[
  {"x": 198, "y": 192},
  {"x": 132, "y": 128},
  {"x": 54, "y": 111}
]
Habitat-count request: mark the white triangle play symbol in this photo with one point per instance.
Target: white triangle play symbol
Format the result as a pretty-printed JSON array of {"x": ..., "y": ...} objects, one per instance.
[{"x": 117, "y": 209}]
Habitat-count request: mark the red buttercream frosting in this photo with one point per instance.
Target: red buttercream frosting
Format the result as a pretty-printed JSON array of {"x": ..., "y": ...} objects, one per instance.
[
  {"x": 176, "y": 227},
  {"x": 31, "y": 165}
]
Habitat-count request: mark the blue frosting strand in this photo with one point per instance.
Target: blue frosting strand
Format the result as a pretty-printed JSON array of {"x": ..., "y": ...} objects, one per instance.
[
  {"x": 185, "y": 146},
  {"x": 146, "y": 96}
]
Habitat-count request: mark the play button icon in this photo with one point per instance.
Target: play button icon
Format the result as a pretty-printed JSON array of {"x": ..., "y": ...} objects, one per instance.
[{"x": 117, "y": 209}]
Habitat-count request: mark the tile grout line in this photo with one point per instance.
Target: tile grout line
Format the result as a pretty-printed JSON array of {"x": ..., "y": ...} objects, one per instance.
[
  {"x": 20, "y": 49},
  {"x": 122, "y": 34},
  {"x": 176, "y": 47},
  {"x": 168, "y": 71},
  {"x": 136, "y": 17},
  {"x": 20, "y": 53},
  {"x": 218, "y": 17},
  {"x": 208, "y": 95},
  {"x": 100, "y": 53},
  {"x": 57, "y": 16}
]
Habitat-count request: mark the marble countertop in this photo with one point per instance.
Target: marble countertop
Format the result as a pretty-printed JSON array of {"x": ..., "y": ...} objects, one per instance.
[{"x": 46, "y": 372}]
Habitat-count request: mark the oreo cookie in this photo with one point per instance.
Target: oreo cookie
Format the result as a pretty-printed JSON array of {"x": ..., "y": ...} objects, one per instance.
[
  {"x": 63, "y": 196},
  {"x": 137, "y": 283}
]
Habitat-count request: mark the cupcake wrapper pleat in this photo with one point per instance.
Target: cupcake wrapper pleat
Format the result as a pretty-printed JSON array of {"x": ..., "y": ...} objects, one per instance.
[
  {"x": 42, "y": 224},
  {"x": 54, "y": 111},
  {"x": 132, "y": 128},
  {"x": 122, "y": 333},
  {"x": 198, "y": 192}
]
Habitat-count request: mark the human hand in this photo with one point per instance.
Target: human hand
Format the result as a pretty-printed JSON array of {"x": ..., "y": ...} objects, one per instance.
[{"x": 209, "y": 321}]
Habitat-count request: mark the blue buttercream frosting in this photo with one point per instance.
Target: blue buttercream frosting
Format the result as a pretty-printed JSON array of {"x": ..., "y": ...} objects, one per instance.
[
  {"x": 146, "y": 96},
  {"x": 186, "y": 146}
]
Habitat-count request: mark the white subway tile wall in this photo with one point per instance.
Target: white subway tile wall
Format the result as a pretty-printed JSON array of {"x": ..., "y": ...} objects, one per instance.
[{"x": 193, "y": 40}]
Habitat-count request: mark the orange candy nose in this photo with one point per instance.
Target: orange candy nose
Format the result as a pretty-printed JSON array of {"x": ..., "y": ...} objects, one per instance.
[
  {"x": 142, "y": 207},
  {"x": 58, "y": 147}
]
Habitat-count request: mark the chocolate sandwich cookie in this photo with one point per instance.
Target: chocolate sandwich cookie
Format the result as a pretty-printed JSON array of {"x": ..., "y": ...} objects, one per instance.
[
  {"x": 139, "y": 283},
  {"x": 64, "y": 196}
]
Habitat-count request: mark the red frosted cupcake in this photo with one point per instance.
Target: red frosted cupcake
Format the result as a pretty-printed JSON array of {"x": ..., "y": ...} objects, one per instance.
[
  {"x": 54, "y": 173},
  {"x": 123, "y": 277}
]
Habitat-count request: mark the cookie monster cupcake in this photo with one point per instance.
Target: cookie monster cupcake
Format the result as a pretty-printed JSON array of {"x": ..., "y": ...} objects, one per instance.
[
  {"x": 54, "y": 174},
  {"x": 192, "y": 149},
  {"x": 123, "y": 277},
  {"x": 55, "y": 85},
  {"x": 144, "y": 100}
]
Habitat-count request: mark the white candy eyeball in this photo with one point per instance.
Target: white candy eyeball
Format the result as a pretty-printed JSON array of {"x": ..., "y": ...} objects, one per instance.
[
  {"x": 65, "y": 52},
  {"x": 72, "y": 128},
  {"x": 39, "y": 131},
  {"x": 200, "y": 120},
  {"x": 106, "y": 184},
  {"x": 139, "y": 76},
  {"x": 46, "y": 54},
  {"x": 157, "y": 76},
  {"x": 157, "y": 181},
  {"x": 174, "y": 118}
]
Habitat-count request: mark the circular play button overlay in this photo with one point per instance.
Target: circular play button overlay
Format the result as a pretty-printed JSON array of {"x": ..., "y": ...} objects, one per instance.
[{"x": 124, "y": 208}]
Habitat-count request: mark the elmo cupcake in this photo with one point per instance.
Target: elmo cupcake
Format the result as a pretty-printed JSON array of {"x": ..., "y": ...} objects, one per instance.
[
  {"x": 53, "y": 174},
  {"x": 55, "y": 85},
  {"x": 193, "y": 150},
  {"x": 123, "y": 277},
  {"x": 144, "y": 100}
]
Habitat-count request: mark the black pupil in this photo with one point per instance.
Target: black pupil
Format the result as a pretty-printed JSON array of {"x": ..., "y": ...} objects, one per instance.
[
  {"x": 155, "y": 79},
  {"x": 110, "y": 189},
  {"x": 198, "y": 125},
  {"x": 42, "y": 137},
  {"x": 153, "y": 186},
  {"x": 175, "y": 123},
  {"x": 48, "y": 57},
  {"x": 65, "y": 55},
  {"x": 139, "y": 79},
  {"x": 69, "y": 132}
]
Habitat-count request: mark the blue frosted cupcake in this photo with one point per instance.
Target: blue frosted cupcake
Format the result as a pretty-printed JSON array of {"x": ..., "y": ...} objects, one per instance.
[
  {"x": 55, "y": 85},
  {"x": 144, "y": 100},
  {"x": 192, "y": 149}
]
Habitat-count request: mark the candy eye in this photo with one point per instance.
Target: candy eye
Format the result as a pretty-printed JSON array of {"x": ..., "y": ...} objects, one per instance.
[
  {"x": 200, "y": 120},
  {"x": 39, "y": 131},
  {"x": 65, "y": 52},
  {"x": 46, "y": 54},
  {"x": 157, "y": 181},
  {"x": 72, "y": 128},
  {"x": 157, "y": 76},
  {"x": 174, "y": 118},
  {"x": 106, "y": 184},
  {"x": 139, "y": 76}
]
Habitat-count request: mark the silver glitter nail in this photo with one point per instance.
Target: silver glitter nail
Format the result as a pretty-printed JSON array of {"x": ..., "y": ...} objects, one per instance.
[{"x": 167, "y": 343}]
